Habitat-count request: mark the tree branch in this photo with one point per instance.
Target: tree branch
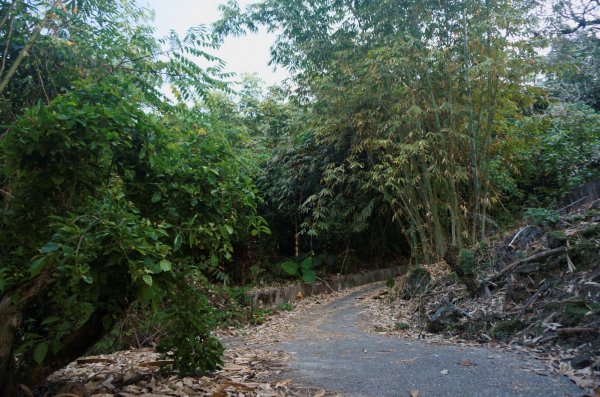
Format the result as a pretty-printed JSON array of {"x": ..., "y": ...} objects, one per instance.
[
  {"x": 509, "y": 268},
  {"x": 581, "y": 24},
  {"x": 25, "y": 51}
]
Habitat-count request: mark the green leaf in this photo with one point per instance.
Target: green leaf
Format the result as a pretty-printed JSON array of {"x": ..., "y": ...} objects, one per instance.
[
  {"x": 177, "y": 242},
  {"x": 148, "y": 279},
  {"x": 37, "y": 266},
  {"x": 50, "y": 320},
  {"x": 214, "y": 260},
  {"x": 156, "y": 197},
  {"x": 290, "y": 267},
  {"x": 49, "y": 247},
  {"x": 309, "y": 276},
  {"x": 40, "y": 351},
  {"x": 165, "y": 265},
  {"x": 229, "y": 229},
  {"x": 87, "y": 278},
  {"x": 307, "y": 263},
  {"x": 265, "y": 229}
]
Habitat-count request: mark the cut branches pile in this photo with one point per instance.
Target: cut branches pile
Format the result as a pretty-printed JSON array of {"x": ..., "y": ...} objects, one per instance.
[{"x": 537, "y": 290}]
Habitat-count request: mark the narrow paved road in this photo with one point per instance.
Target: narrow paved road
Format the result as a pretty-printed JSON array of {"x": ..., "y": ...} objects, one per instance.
[{"x": 331, "y": 352}]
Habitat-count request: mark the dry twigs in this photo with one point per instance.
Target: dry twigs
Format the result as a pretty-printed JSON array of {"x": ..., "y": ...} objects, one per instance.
[{"x": 548, "y": 302}]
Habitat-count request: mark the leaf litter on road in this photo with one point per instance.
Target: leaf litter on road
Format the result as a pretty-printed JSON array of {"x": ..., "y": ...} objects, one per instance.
[{"x": 248, "y": 371}]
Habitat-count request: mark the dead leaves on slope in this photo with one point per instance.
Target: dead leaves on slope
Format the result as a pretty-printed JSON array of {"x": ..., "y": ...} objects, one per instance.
[{"x": 132, "y": 373}]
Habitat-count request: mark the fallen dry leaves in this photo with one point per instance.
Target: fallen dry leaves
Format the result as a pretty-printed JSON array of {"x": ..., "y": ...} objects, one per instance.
[
  {"x": 248, "y": 371},
  {"x": 137, "y": 372}
]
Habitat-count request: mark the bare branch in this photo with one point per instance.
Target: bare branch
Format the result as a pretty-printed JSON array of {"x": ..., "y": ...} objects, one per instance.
[{"x": 581, "y": 24}]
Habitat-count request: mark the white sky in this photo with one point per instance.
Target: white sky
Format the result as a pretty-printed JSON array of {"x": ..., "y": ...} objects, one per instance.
[{"x": 247, "y": 54}]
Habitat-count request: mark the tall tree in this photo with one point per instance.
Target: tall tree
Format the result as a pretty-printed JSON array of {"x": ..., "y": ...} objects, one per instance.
[{"x": 409, "y": 99}]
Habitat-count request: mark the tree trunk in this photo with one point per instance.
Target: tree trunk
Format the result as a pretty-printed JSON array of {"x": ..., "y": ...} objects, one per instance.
[
  {"x": 468, "y": 280},
  {"x": 73, "y": 346},
  {"x": 8, "y": 325},
  {"x": 11, "y": 309},
  {"x": 25, "y": 50}
]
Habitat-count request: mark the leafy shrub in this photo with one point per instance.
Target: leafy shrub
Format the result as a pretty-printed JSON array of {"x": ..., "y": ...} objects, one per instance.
[
  {"x": 541, "y": 216},
  {"x": 260, "y": 314},
  {"x": 304, "y": 269},
  {"x": 188, "y": 323},
  {"x": 110, "y": 205},
  {"x": 401, "y": 326},
  {"x": 559, "y": 151},
  {"x": 467, "y": 262},
  {"x": 504, "y": 329},
  {"x": 285, "y": 307}
]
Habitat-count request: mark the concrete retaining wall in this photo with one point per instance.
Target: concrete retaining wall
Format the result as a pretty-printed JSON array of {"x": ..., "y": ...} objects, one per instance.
[{"x": 289, "y": 294}]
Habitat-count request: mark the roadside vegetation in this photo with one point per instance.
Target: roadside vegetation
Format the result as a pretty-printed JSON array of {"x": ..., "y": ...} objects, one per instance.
[{"x": 139, "y": 182}]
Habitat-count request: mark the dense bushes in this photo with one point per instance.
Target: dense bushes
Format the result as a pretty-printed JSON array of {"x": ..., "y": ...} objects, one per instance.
[
  {"x": 112, "y": 196},
  {"x": 112, "y": 209}
]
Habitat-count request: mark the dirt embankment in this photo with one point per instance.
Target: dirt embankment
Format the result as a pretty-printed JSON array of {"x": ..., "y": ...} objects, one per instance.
[{"x": 535, "y": 288}]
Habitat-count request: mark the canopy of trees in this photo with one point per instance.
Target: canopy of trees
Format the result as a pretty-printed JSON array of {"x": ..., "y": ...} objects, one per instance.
[{"x": 135, "y": 172}]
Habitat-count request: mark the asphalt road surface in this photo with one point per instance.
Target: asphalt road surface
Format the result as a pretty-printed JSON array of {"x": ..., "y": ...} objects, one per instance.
[{"x": 330, "y": 351}]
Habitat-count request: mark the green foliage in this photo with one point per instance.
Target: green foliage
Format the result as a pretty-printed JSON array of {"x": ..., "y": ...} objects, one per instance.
[
  {"x": 114, "y": 195},
  {"x": 304, "y": 269},
  {"x": 407, "y": 108},
  {"x": 401, "y": 326},
  {"x": 260, "y": 314},
  {"x": 556, "y": 239},
  {"x": 188, "y": 340},
  {"x": 541, "y": 216},
  {"x": 575, "y": 69},
  {"x": 410, "y": 119},
  {"x": 584, "y": 252},
  {"x": 290, "y": 267},
  {"x": 559, "y": 152},
  {"x": 573, "y": 315},
  {"x": 466, "y": 261},
  {"x": 285, "y": 307},
  {"x": 504, "y": 329}
]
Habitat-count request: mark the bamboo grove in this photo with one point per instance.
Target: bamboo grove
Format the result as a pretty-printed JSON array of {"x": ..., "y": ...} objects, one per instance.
[{"x": 411, "y": 101}]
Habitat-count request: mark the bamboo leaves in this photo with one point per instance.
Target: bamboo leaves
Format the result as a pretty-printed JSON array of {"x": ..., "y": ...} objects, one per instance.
[{"x": 407, "y": 100}]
